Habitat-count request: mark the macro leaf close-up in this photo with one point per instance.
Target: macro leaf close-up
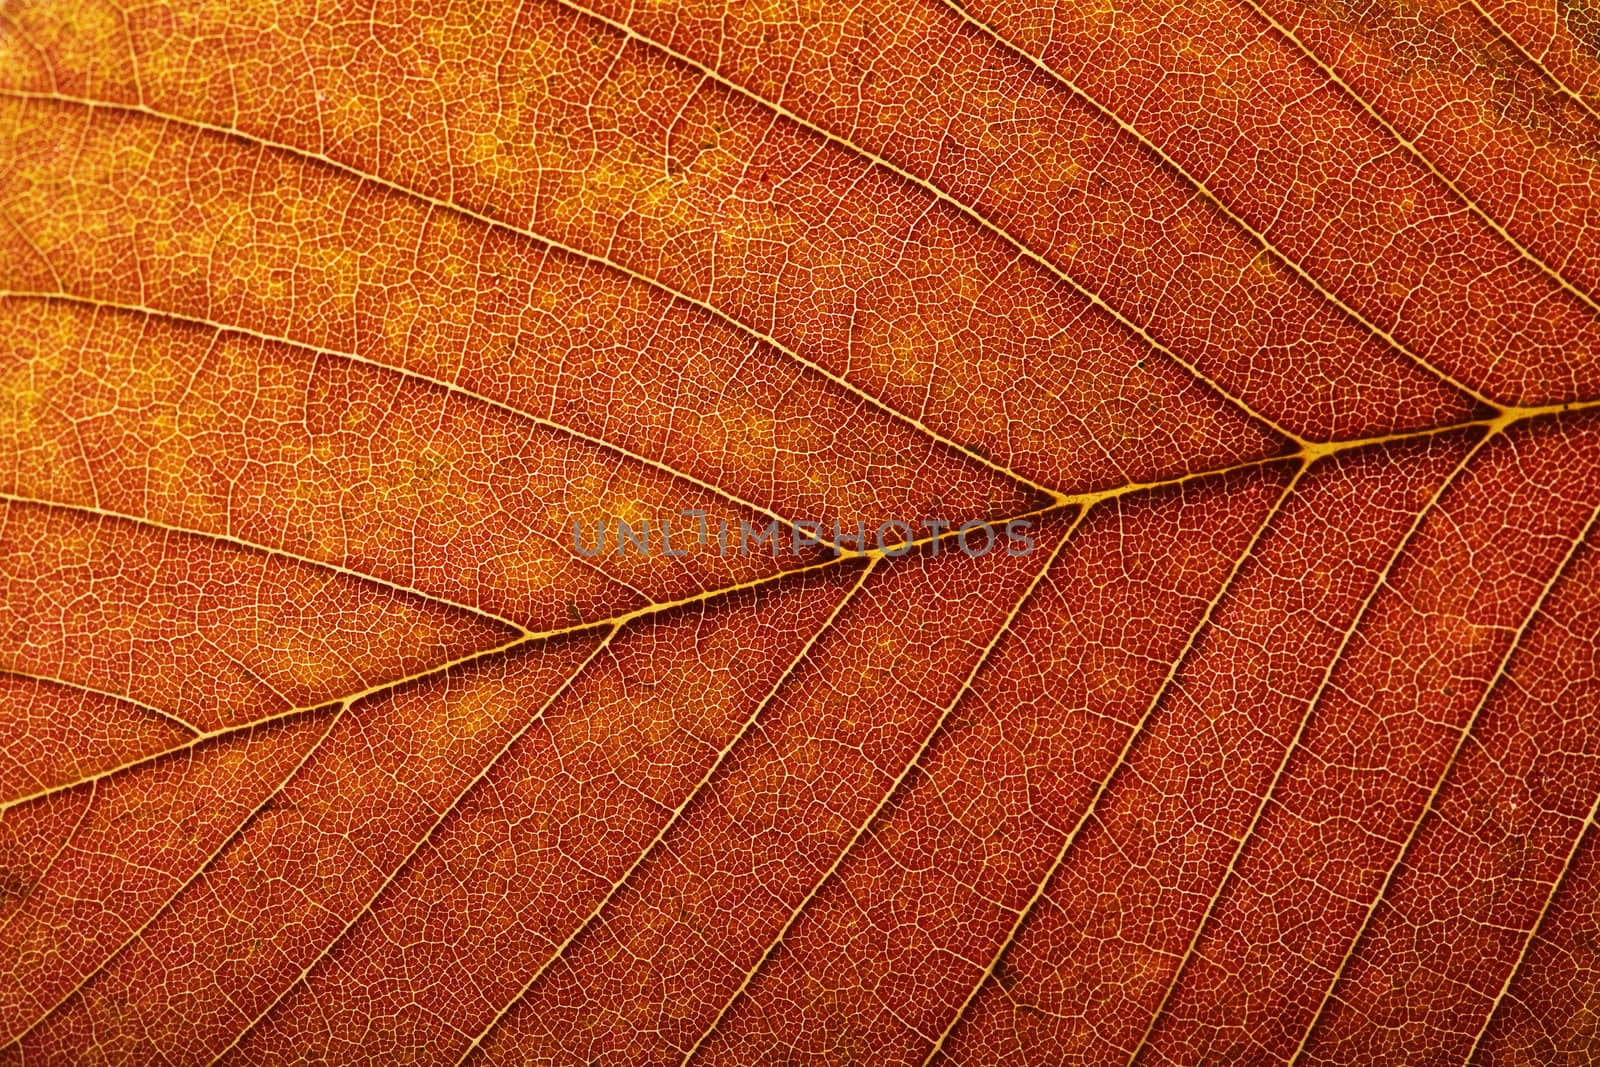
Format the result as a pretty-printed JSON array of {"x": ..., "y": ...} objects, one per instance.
[{"x": 778, "y": 532}]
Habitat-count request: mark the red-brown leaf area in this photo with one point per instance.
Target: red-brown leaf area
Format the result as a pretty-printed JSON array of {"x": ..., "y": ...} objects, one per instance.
[{"x": 321, "y": 324}]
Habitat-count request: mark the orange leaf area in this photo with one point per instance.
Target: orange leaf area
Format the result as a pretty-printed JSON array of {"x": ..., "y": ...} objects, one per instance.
[{"x": 445, "y": 459}]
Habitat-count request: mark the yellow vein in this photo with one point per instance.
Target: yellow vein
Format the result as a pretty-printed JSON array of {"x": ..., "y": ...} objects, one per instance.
[
  {"x": 589, "y": 257},
  {"x": 240, "y": 542},
  {"x": 344, "y": 701},
  {"x": 1572, "y": 94},
  {"x": 1306, "y": 450},
  {"x": 416, "y": 376},
  {"x": 83, "y": 687},
  {"x": 616, "y": 621},
  {"x": 1378, "y": 583},
  {"x": 1470, "y": 204},
  {"x": 151, "y": 757},
  {"x": 49, "y": 868},
  {"x": 1312, "y": 451},
  {"x": 894, "y": 787},
  {"x": 1087, "y": 499},
  {"x": 133, "y": 53},
  {"x": 939, "y": 193},
  {"x": 677, "y": 814},
  {"x": 1533, "y": 931},
  {"x": 1134, "y": 734},
  {"x": 1438, "y": 786},
  {"x": 1217, "y": 202},
  {"x": 405, "y": 862},
  {"x": 205, "y": 865}
]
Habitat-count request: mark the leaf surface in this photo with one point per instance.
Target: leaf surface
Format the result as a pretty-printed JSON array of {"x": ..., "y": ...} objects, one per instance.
[{"x": 332, "y": 336}]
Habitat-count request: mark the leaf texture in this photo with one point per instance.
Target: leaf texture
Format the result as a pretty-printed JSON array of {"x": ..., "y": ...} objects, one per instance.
[{"x": 332, "y": 334}]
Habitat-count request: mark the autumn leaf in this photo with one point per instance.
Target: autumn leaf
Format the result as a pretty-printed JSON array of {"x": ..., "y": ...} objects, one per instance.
[{"x": 941, "y": 531}]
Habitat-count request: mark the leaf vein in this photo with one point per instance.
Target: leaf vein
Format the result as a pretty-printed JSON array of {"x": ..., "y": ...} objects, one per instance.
[
  {"x": 1532, "y": 933},
  {"x": 251, "y": 546},
  {"x": 549, "y": 242},
  {"x": 941, "y": 195},
  {"x": 1136, "y": 732},
  {"x": 423, "y": 379},
  {"x": 1379, "y": 582},
  {"x": 1438, "y": 786},
  {"x": 333, "y": 720},
  {"x": 417, "y": 847},
  {"x": 1411, "y": 149},
  {"x": 894, "y": 787},
  {"x": 675, "y": 815},
  {"x": 1550, "y": 75},
  {"x": 84, "y": 687}
]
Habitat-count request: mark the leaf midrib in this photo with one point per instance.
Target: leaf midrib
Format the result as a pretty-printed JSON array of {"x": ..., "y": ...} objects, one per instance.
[{"x": 1306, "y": 453}]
